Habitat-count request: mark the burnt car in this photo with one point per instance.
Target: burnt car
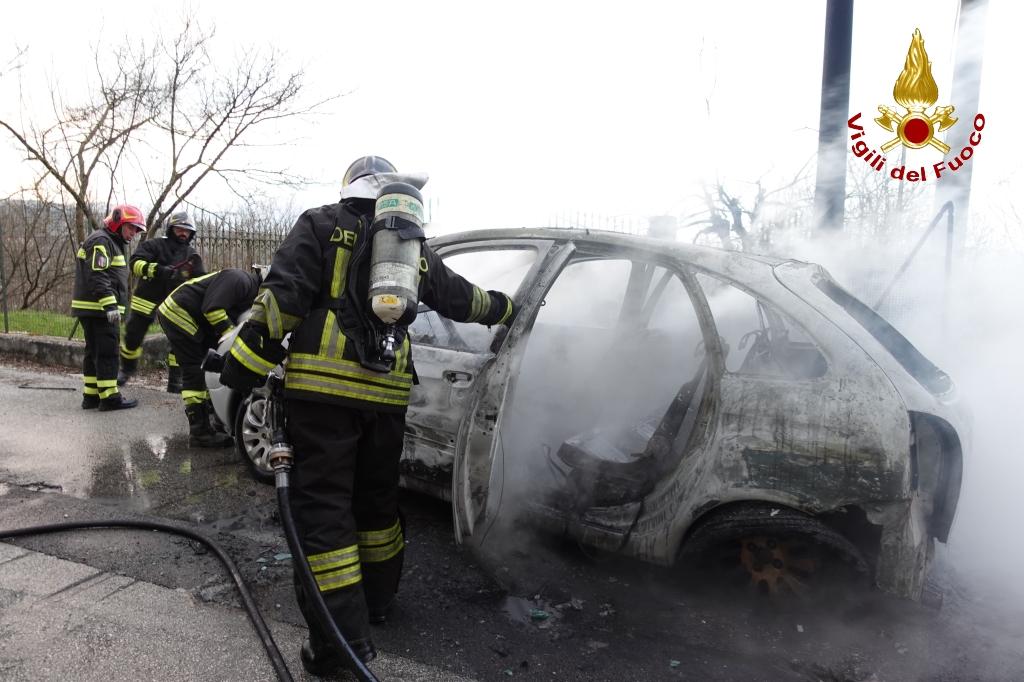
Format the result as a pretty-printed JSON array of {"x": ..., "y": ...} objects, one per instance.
[{"x": 677, "y": 404}]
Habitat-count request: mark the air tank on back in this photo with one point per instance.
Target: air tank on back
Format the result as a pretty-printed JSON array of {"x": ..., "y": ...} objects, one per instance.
[{"x": 395, "y": 254}]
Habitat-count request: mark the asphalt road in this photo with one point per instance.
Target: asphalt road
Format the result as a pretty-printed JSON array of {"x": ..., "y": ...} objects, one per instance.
[{"x": 462, "y": 612}]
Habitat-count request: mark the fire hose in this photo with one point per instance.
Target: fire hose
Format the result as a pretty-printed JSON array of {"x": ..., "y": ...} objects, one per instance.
[{"x": 281, "y": 458}]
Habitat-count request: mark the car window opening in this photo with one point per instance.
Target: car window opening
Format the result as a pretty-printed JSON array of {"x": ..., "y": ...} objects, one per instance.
[
  {"x": 917, "y": 365},
  {"x": 755, "y": 338},
  {"x": 608, "y": 387},
  {"x": 497, "y": 269}
]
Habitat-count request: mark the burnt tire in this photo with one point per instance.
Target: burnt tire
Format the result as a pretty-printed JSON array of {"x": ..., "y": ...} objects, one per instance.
[
  {"x": 773, "y": 551},
  {"x": 253, "y": 438}
]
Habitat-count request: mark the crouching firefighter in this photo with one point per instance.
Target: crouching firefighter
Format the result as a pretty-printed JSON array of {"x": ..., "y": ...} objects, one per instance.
[
  {"x": 194, "y": 317},
  {"x": 161, "y": 265},
  {"x": 98, "y": 300},
  {"x": 346, "y": 283}
]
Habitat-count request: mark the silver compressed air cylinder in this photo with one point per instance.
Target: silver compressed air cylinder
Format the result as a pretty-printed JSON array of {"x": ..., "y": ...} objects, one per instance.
[{"x": 395, "y": 254}]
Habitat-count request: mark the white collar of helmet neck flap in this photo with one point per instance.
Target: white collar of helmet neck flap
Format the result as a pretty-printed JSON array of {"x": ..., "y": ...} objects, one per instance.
[{"x": 368, "y": 186}]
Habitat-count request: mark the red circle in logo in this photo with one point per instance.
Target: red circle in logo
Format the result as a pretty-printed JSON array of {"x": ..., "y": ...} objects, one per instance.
[{"x": 917, "y": 130}]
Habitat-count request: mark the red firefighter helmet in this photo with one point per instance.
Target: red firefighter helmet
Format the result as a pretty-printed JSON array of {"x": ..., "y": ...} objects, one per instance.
[{"x": 125, "y": 214}]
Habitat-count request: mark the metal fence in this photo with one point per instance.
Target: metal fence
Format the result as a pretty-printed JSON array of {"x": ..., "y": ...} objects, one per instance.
[
  {"x": 914, "y": 303},
  {"x": 36, "y": 280}
]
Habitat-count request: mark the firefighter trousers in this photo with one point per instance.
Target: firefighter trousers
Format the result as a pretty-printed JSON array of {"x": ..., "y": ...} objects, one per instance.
[
  {"x": 134, "y": 332},
  {"x": 99, "y": 369},
  {"x": 344, "y": 497},
  {"x": 190, "y": 354}
]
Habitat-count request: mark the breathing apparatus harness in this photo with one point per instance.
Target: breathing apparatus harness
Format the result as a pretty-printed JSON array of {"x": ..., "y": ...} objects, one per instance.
[{"x": 393, "y": 241}]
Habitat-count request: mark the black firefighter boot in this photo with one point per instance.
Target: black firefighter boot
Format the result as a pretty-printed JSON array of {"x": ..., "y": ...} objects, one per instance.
[
  {"x": 128, "y": 368},
  {"x": 117, "y": 402},
  {"x": 200, "y": 433},
  {"x": 174, "y": 379},
  {"x": 318, "y": 655}
]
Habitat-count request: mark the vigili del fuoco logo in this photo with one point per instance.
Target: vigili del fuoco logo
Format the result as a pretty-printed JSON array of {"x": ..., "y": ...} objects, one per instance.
[{"x": 915, "y": 91}]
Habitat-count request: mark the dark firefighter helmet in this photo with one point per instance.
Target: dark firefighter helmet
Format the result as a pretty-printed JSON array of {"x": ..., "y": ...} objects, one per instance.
[
  {"x": 180, "y": 219},
  {"x": 366, "y": 165},
  {"x": 124, "y": 214}
]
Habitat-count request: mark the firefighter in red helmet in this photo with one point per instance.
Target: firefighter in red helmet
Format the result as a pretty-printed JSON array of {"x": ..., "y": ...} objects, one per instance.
[{"x": 98, "y": 300}]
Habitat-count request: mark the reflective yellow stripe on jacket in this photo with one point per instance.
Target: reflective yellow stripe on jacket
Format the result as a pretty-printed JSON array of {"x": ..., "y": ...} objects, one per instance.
[
  {"x": 266, "y": 311},
  {"x": 176, "y": 314},
  {"x": 328, "y": 373}
]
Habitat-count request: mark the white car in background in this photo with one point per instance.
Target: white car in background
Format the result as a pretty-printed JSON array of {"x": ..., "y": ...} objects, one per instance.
[{"x": 677, "y": 403}]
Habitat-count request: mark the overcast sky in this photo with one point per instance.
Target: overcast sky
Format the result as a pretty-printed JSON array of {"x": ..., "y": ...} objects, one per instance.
[{"x": 519, "y": 109}]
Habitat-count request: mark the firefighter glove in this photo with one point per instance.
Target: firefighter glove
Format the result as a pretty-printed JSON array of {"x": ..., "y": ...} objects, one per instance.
[
  {"x": 512, "y": 315},
  {"x": 165, "y": 273},
  {"x": 113, "y": 315}
]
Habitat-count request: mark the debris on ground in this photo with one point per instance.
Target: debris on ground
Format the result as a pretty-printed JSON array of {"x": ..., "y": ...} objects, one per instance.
[{"x": 538, "y": 614}]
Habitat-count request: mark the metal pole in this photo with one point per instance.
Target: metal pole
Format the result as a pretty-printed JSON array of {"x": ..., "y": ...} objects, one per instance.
[
  {"x": 965, "y": 95},
  {"x": 950, "y": 222},
  {"x": 3, "y": 278},
  {"x": 830, "y": 184},
  {"x": 948, "y": 206}
]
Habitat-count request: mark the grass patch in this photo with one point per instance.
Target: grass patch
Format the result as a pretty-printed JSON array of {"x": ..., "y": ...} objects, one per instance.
[{"x": 43, "y": 323}]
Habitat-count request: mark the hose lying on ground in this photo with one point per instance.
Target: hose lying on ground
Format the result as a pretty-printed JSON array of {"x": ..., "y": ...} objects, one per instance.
[{"x": 250, "y": 605}]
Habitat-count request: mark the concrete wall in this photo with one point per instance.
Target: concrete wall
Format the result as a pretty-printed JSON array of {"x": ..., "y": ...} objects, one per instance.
[{"x": 54, "y": 350}]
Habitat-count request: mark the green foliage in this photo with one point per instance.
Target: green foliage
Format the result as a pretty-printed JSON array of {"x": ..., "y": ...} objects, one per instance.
[{"x": 44, "y": 323}]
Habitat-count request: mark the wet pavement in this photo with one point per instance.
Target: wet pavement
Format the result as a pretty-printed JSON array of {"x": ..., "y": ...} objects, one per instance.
[
  {"x": 136, "y": 459},
  {"x": 478, "y": 615}
]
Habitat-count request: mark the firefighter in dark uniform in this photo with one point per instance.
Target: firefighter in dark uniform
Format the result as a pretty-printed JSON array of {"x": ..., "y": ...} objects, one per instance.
[
  {"x": 161, "y": 265},
  {"x": 346, "y": 421},
  {"x": 194, "y": 317},
  {"x": 98, "y": 300}
]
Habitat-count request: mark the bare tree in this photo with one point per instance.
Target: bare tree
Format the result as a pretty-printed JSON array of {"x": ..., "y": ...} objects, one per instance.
[
  {"x": 169, "y": 118},
  {"x": 204, "y": 128},
  {"x": 38, "y": 254},
  {"x": 85, "y": 140},
  {"x": 727, "y": 211}
]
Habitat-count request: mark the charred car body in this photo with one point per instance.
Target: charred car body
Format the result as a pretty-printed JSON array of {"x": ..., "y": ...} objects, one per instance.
[{"x": 670, "y": 402}]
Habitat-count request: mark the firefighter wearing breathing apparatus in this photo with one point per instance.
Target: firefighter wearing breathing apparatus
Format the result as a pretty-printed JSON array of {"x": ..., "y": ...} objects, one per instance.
[
  {"x": 346, "y": 282},
  {"x": 98, "y": 299},
  {"x": 161, "y": 265},
  {"x": 194, "y": 317}
]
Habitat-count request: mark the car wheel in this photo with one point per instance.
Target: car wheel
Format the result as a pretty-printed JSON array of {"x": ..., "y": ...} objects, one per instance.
[
  {"x": 773, "y": 552},
  {"x": 252, "y": 437}
]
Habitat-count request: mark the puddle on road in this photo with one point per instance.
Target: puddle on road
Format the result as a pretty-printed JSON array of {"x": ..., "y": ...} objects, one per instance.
[
  {"x": 228, "y": 524},
  {"x": 158, "y": 446}
]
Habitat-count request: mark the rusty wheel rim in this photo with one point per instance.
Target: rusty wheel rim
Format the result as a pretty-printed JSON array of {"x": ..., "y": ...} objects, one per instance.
[{"x": 778, "y": 565}]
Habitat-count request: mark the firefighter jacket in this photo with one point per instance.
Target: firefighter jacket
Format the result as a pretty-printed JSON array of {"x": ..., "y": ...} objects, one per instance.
[
  {"x": 101, "y": 275},
  {"x": 320, "y": 266},
  {"x": 153, "y": 287},
  {"x": 210, "y": 305}
]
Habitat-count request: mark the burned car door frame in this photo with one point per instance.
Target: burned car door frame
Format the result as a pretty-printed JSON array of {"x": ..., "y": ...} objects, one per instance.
[
  {"x": 454, "y": 408},
  {"x": 603, "y": 526}
]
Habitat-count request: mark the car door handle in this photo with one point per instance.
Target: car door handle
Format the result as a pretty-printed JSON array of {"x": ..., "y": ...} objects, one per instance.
[{"x": 454, "y": 377}]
